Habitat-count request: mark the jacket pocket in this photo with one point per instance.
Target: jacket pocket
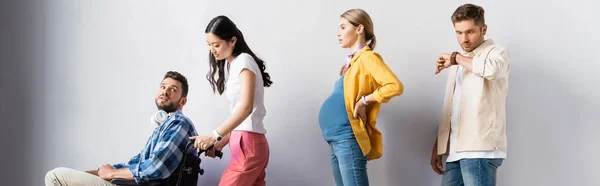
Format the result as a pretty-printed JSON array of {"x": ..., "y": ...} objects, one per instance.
[{"x": 365, "y": 84}]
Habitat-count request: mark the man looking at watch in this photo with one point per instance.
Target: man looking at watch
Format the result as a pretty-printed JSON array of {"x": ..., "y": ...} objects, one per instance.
[{"x": 472, "y": 131}]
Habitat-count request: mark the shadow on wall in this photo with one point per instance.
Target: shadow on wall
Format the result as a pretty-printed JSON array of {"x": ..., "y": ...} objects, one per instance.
[
  {"x": 297, "y": 147},
  {"x": 408, "y": 134},
  {"x": 17, "y": 57}
]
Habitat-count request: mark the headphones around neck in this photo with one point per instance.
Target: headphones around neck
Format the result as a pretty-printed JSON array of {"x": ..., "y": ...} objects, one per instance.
[{"x": 159, "y": 117}]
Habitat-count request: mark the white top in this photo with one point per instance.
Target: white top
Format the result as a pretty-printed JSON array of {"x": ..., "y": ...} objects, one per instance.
[
  {"x": 254, "y": 122},
  {"x": 454, "y": 128}
]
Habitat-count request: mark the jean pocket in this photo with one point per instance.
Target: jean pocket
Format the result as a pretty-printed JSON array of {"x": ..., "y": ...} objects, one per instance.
[{"x": 495, "y": 162}]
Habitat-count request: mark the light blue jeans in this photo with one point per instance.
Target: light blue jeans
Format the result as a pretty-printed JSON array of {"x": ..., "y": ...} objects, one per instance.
[
  {"x": 471, "y": 172},
  {"x": 348, "y": 163}
]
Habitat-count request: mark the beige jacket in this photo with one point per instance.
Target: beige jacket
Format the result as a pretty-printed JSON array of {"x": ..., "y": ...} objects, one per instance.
[{"x": 482, "y": 119}]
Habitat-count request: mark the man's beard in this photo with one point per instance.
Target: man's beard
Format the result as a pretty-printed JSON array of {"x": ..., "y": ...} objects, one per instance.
[{"x": 167, "y": 108}]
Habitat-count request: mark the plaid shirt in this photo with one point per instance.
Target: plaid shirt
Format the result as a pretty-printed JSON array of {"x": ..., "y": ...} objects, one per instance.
[{"x": 163, "y": 151}]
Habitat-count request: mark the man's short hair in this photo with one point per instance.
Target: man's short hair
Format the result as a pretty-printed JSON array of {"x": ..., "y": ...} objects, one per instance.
[
  {"x": 469, "y": 12},
  {"x": 179, "y": 77}
]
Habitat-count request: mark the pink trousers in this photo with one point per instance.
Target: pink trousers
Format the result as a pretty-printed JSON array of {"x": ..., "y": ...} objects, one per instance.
[{"x": 249, "y": 159}]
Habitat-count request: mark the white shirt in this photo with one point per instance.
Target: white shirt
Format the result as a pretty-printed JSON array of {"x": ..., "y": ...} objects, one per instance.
[
  {"x": 254, "y": 122},
  {"x": 454, "y": 127}
]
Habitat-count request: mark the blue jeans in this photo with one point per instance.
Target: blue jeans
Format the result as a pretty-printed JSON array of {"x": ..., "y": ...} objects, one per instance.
[
  {"x": 471, "y": 172},
  {"x": 348, "y": 163}
]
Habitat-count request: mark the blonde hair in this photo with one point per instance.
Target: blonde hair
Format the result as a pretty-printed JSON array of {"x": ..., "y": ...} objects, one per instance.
[{"x": 358, "y": 17}]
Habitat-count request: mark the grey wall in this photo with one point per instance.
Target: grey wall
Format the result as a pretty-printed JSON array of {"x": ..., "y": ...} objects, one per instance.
[
  {"x": 78, "y": 80},
  {"x": 20, "y": 54}
]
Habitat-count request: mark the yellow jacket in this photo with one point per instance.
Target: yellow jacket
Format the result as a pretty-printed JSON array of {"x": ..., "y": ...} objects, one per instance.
[{"x": 368, "y": 74}]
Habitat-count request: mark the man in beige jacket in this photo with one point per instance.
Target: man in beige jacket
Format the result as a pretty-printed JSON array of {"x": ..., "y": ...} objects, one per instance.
[{"x": 472, "y": 130}]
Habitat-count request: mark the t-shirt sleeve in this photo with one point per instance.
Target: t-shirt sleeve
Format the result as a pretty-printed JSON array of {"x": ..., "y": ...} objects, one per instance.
[{"x": 246, "y": 61}]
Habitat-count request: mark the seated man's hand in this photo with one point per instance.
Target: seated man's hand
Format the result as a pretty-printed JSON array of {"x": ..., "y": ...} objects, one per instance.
[
  {"x": 106, "y": 172},
  {"x": 94, "y": 172}
]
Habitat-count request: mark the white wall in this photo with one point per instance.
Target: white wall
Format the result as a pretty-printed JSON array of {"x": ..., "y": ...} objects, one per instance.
[{"x": 84, "y": 74}]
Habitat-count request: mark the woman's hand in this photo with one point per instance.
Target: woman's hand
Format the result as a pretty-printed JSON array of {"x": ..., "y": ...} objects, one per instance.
[
  {"x": 360, "y": 111},
  {"x": 218, "y": 147},
  {"x": 203, "y": 142}
]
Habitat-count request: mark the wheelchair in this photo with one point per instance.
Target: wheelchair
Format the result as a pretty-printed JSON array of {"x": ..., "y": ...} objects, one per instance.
[{"x": 186, "y": 174}]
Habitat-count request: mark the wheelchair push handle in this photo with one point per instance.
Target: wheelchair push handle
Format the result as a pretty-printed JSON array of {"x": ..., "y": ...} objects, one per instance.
[{"x": 217, "y": 153}]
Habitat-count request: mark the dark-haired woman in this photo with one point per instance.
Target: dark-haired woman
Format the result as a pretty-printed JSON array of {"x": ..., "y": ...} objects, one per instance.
[{"x": 244, "y": 130}]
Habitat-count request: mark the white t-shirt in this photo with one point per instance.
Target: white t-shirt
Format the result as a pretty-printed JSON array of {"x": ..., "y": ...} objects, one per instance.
[
  {"x": 254, "y": 122},
  {"x": 453, "y": 155}
]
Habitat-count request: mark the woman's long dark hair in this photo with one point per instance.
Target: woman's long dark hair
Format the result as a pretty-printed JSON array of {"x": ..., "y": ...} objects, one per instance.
[{"x": 225, "y": 29}]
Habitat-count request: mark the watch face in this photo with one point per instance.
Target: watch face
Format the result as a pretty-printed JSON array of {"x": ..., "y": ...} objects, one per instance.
[{"x": 219, "y": 138}]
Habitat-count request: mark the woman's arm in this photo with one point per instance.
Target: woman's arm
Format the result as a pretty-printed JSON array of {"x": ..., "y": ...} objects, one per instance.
[
  {"x": 383, "y": 75},
  {"x": 246, "y": 105}
]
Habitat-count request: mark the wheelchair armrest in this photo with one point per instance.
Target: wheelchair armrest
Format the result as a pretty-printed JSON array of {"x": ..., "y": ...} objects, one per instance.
[{"x": 126, "y": 182}]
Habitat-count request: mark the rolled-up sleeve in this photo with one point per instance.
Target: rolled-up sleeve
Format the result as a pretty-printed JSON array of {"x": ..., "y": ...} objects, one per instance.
[
  {"x": 120, "y": 165},
  {"x": 164, "y": 157},
  {"x": 493, "y": 64},
  {"x": 133, "y": 160}
]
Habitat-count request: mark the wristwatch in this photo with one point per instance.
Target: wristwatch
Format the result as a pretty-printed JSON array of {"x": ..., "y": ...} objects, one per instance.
[
  {"x": 217, "y": 135},
  {"x": 453, "y": 58}
]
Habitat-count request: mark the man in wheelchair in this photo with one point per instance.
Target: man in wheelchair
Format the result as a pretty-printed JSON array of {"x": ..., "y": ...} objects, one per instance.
[{"x": 163, "y": 152}]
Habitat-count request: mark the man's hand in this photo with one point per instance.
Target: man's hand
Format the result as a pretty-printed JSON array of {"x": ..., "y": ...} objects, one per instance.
[
  {"x": 360, "y": 111},
  {"x": 106, "y": 172},
  {"x": 436, "y": 160},
  {"x": 203, "y": 142},
  {"x": 442, "y": 63},
  {"x": 436, "y": 164}
]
